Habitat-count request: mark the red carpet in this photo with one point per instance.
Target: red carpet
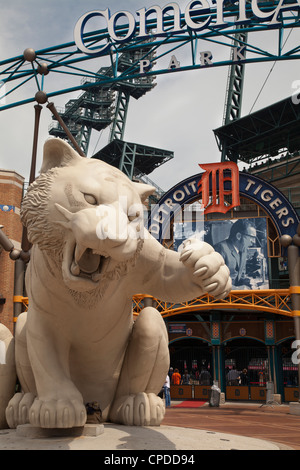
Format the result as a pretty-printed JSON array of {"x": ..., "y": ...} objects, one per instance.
[{"x": 190, "y": 404}]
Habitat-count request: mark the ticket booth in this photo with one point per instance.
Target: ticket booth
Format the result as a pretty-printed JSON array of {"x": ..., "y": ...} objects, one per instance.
[{"x": 246, "y": 369}]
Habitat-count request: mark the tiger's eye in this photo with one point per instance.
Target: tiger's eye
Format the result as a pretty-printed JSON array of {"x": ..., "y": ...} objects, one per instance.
[{"x": 90, "y": 199}]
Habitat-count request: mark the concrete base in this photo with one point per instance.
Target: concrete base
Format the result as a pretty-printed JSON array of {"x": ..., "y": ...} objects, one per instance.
[
  {"x": 117, "y": 437},
  {"x": 33, "y": 432},
  {"x": 295, "y": 408},
  {"x": 277, "y": 398},
  {"x": 222, "y": 398}
]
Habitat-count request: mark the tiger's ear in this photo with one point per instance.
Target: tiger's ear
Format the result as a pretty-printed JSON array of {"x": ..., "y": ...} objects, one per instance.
[
  {"x": 57, "y": 153},
  {"x": 144, "y": 190}
]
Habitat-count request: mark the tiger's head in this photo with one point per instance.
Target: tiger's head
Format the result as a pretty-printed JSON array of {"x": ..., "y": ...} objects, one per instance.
[{"x": 87, "y": 214}]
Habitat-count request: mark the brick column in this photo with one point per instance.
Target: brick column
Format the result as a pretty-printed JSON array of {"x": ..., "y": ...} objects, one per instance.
[{"x": 11, "y": 192}]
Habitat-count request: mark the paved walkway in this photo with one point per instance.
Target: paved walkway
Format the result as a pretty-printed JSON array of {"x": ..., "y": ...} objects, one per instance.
[
  {"x": 233, "y": 426},
  {"x": 274, "y": 424}
]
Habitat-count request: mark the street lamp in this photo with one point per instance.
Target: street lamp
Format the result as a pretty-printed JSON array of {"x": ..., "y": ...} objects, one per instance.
[{"x": 292, "y": 244}]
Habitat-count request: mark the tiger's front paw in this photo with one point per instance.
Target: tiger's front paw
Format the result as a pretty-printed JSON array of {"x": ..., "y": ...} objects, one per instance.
[
  {"x": 208, "y": 268},
  {"x": 143, "y": 409},
  {"x": 57, "y": 413}
]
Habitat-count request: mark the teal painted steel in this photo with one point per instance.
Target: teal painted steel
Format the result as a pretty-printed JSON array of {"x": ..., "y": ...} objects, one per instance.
[{"x": 16, "y": 72}]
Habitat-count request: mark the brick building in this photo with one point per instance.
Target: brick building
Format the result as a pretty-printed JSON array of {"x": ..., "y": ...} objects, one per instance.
[{"x": 11, "y": 192}]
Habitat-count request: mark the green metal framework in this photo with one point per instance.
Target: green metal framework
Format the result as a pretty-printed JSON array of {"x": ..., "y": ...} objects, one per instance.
[
  {"x": 133, "y": 159},
  {"x": 234, "y": 92},
  {"x": 102, "y": 106},
  {"x": 261, "y": 134},
  {"x": 105, "y": 93},
  {"x": 67, "y": 59}
]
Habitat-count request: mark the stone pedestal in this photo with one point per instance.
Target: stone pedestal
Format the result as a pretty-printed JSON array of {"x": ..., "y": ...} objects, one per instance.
[
  {"x": 222, "y": 398},
  {"x": 34, "y": 432},
  {"x": 295, "y": 408},
  {"x": 277, "y": 398}
]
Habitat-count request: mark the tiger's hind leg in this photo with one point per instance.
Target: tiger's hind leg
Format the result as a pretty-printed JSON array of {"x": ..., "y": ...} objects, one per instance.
[
  {"x": 143, "y": 373},
  {"x": 17, "y": 411},
  {"x": 8, "y": 375}
]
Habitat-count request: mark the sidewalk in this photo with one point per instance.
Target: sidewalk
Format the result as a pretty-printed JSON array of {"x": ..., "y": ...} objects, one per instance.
[
  {"x": 232, "y": 426},
  {"x": 273, "y": 424}
]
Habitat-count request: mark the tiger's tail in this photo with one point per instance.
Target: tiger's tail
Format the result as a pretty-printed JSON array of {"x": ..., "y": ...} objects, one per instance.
[{"x": 8, "y": 374}]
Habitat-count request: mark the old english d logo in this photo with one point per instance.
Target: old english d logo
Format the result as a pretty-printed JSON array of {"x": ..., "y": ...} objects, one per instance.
[{"x": 219, "y": 186}]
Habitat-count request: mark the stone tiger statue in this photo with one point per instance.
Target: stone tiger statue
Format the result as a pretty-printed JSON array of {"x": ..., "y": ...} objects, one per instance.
[{"x": 78, "y": 342}]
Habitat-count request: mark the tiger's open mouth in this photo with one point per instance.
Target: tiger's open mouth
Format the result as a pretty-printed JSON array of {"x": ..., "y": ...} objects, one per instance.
[
  {"x": 88, "y": 264},
  {"x": 82, "y": 267}
]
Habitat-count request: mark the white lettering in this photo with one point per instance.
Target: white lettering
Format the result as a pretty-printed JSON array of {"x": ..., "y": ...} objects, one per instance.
[
  {"x": 242, "y": 10},
  {"x": 258, "y": 189},
  {"x": 238, "y": 53},
  {"x": 271, "y": 14},
  {"x": 287, "y": 222},
  {"x": 193, "y": 185},
  {"x": 205, "y": 58},
  {"x": 295, "y": 358},
  {"x": 197, "y": 16},
  {"x": 275, "y": 203},
  {"x": 116, "y": 460},
  {"x": 201, "y": 9},
  {"x": 250, "y": 183},
  {"x": 169, "y": 203},
  {"x": 145, "y": 65},
  {"x": 112, "y": 23},
  {"x": 266, "y": 195},
  {"x": 143, "y": 13},
  {"x": 178, "y": 195},
  {"x": 296, "y": 93},
  {"x": 186, "y": 190},
  {"x": 220, "y": 19},
  {"x": 281, "y": 212},
  {"x": 79, "y": 31},
  {"x": 174, "y": 63},
  {"x": 154, "y": 229}
]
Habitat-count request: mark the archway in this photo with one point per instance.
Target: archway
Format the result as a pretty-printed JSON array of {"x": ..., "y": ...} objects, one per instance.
[
  {"x": 247, "y": 354},
  {"x": 191, "y": 354}
]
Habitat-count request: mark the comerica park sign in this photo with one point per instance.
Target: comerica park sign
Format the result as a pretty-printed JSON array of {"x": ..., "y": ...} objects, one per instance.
[{"x": 198, "y": 15}]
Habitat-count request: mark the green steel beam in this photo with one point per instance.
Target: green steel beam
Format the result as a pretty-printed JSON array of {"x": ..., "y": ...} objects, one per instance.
[{"x": 18, "y": 70}]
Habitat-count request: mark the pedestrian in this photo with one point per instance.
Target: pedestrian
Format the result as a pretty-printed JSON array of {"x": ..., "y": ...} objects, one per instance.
[
  {"x": 205, "y": 377},
  {"x": 185, "y": 378},
  {"x": 176, "y": 377},
  {"x": 244, "y": 379},
  {"x": 167, "y": 391},
  {"x": 232, "y": 376}
]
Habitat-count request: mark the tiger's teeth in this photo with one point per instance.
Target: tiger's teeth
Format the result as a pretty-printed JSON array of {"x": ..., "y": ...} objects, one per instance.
[
  {"x": 96, "y": 277},
  {"x": 79, "y": 250},
  {"x": 75, "y": 270}
]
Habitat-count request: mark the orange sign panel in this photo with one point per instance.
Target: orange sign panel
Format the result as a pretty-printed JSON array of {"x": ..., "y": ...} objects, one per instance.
[{"x": 215, "y": 198}]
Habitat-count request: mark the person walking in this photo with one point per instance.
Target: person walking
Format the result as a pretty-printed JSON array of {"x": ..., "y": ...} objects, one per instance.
[
  {"x": 232, "y": 377},
  {"x": 186, "y": 378},
  {"x": 176, "y": 377},
  {"x": 167, "y": 391}
]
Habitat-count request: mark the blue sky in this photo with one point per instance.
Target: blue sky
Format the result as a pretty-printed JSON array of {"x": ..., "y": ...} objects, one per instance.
[{"x": 179, "y": 114}]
